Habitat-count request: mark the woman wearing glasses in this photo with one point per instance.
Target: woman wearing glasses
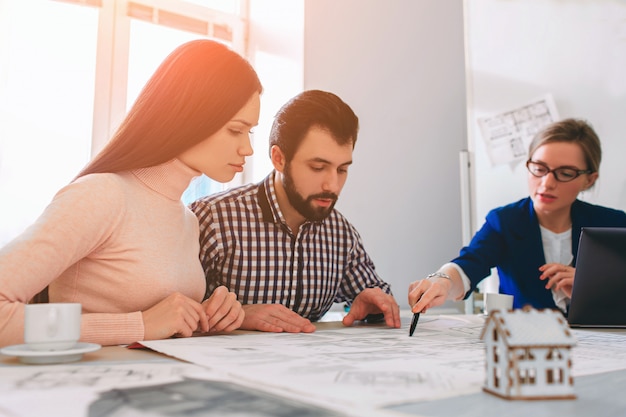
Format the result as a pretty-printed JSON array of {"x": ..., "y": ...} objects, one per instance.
[{"x": 533, "y": 242}]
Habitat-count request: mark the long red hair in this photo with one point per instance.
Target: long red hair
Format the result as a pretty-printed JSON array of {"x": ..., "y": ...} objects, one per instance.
[{"x": 194, "y": 92}]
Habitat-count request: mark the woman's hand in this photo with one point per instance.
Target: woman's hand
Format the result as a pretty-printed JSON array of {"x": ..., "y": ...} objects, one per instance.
[
  {"x": 176, "y": 315},
  {"x": 224, "y": 312},
  {"x": 559, "y": 276},
  {"x": 427, "y": 293}
]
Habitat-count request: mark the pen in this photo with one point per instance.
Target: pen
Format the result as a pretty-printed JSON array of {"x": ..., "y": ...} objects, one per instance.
[{"x": 416, "y": 317}]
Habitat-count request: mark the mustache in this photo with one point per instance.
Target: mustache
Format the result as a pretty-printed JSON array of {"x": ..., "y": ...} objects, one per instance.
[{"x": 328, "y": 196}]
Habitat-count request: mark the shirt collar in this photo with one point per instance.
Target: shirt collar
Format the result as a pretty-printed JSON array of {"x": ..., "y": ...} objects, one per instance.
[
  {"x": 170, "y": 179},
  {"x": 269, "y": 202}
]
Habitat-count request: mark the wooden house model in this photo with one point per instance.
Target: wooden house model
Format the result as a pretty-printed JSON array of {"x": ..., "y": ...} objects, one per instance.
[{"x": 528, "y": 355}]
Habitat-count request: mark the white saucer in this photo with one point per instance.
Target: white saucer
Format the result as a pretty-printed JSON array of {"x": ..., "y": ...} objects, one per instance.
[{"x": 28, "y": 355}]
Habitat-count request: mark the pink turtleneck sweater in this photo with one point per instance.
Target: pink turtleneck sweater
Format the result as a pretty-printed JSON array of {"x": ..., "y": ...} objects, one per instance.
[{"x": 116, "y": 243}]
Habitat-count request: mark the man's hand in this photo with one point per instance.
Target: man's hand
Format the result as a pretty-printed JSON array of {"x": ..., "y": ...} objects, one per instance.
[
  {"x": 373, "y": 301},
  {"x": 275, "y": 318}
]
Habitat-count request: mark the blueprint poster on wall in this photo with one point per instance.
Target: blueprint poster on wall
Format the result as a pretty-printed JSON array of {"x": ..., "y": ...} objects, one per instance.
[{"x": 508, "y": 134}]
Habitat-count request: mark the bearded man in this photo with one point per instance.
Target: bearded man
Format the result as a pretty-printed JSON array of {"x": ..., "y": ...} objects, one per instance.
[{"x": 280, "y": 245}]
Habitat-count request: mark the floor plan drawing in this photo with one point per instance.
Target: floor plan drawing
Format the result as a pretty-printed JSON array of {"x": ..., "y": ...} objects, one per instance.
[
  {"x": 336, "y": 370},
  {"x": 507, "y": 134},
  {"x": 371, "y": 365},
  {"x": 195, "y": 397}
]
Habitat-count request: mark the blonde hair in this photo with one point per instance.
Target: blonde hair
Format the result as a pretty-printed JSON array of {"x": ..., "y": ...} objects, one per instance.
[{"x": 571, "y": 131}]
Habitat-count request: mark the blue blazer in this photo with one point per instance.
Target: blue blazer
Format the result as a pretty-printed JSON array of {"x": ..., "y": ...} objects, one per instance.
[{"x": 510, "y": 240}]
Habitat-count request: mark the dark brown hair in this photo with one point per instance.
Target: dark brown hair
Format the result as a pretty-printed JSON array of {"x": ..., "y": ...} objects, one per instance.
[{"x": 312, "y": 108}]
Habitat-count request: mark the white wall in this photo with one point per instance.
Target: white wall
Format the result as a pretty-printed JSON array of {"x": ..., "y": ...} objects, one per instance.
[
  {"x": 276, "y": 49},
  {"x": 400, "y": 65},
  {"x": 576, "y": 50}
]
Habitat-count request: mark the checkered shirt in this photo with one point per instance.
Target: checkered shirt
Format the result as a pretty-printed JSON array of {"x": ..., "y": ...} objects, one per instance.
[{"x": 246, "y": 245}]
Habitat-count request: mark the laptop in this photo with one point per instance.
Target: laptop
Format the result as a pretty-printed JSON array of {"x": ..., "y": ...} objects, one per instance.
[{"x": 599, "y": 293}]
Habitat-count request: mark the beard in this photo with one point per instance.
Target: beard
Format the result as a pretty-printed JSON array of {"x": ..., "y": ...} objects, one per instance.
[{"x": 304, "y": 205}]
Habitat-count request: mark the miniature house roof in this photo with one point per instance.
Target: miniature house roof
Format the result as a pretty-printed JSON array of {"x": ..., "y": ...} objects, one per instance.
[{"x": 531, "y": 327}]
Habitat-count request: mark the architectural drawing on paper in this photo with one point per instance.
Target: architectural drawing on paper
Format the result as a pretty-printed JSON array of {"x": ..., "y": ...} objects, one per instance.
[
  {"x": 375, "y": 365},
  {"x": 349, "y": 366},
  {"x": 98, "y": 376},
  {"x": 196, "y": 397},
  {"x": 393, "y": 379},
  {"x": 528, "y": 355},
  {"x": 507, "y": 134}
]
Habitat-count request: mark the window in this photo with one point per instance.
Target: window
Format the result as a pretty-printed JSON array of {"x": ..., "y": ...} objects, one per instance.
[
  {"x": 149, "y": 45},
  {"x": 554, "y": 354},
  {"x": 59, "y": 103},
  {"x": 47, "y": 69},
  {"x": 527, "y": 376},
  {"x": 497, "y": 374},
  {"x": 555, "y": 376}
]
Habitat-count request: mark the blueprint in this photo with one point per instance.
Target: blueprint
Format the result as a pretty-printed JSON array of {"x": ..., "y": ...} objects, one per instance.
[
  {"x": 508, "y": 134},
  {"x": 357, "y": 366},
  {"x": 337, "y": 370},
  {"x": 374, "y": 366}
]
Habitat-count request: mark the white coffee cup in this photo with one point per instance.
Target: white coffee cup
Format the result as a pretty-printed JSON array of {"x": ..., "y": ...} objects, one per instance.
[
  {"x": 52, "y": 326},
  {"x": 496, "y": 301}
]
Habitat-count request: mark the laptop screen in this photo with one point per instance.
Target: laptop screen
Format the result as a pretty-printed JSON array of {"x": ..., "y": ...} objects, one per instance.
[{"x": 599, "y": 293}]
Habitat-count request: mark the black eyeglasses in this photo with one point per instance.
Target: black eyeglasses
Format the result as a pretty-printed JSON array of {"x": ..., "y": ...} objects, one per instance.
[{"x": 561, "y": 174}]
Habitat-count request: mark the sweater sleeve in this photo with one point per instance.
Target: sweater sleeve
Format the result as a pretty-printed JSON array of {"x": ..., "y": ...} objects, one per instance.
[{"x": 76, "y": 223}]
